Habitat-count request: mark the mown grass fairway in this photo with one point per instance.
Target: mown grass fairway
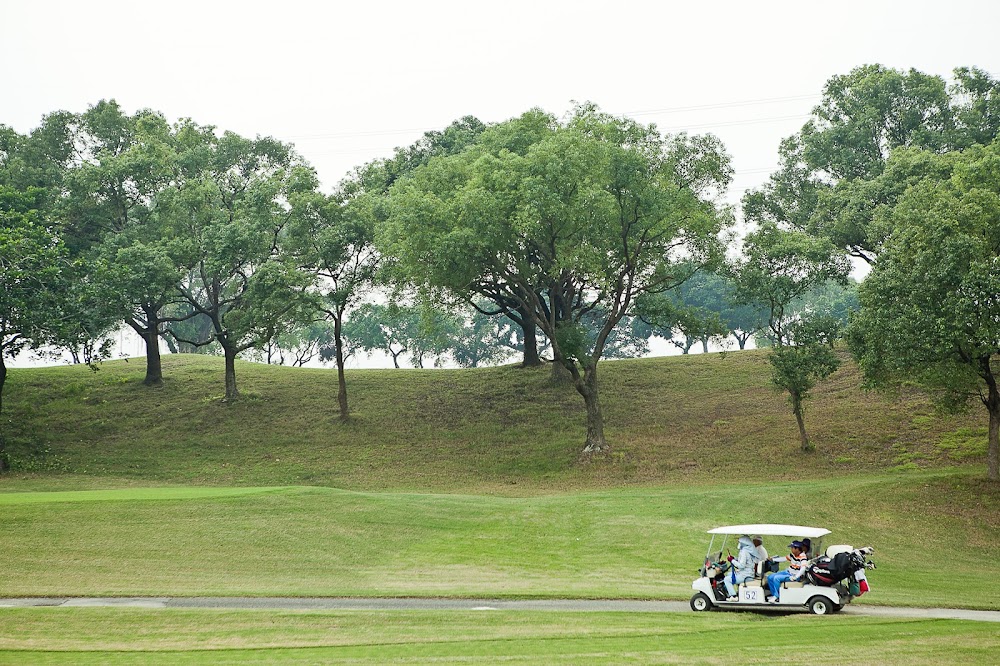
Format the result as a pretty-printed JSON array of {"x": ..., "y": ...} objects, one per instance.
[
  {"x": 133, "y": 636},
  {"x": 645, "y": 543}
]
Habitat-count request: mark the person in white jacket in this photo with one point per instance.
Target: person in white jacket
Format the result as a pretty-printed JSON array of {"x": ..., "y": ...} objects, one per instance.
[{"x": 743, "y": 565}]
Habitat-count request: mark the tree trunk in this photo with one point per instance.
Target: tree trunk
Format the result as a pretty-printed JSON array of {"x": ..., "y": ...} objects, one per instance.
[
  {"x": 3, "y": 442},
  {"x": 154, "y": 369},
  {"x": 3, "y": 380},
  {"x": 231, "y": 391},
  {"x": 993, "y": 446},
  {"x": 993, "y": 451},
  {"x": 587, "y": 387},
  {"x": 3, "y": 434},
  {"x": 150, "y": 334},
  {"x": 338, "y": 344},
  {"x": 799, "y": 418},
  {"x": 531, "y": 358}
]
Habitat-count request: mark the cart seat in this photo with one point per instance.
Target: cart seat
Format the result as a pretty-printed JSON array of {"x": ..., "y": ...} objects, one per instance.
[{"x": 762, "y": 568}]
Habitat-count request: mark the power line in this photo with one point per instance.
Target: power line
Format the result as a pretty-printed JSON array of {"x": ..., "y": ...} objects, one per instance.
[
  {"x": 723, "y": 105},
  {"x": 734, "y": 123},
  {"x": 641, "y": 112},
  {"x": 686, "y": 128}
]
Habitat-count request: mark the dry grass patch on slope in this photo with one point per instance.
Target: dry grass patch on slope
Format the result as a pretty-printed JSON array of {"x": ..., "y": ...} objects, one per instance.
[{"x": 676, "y": 419}]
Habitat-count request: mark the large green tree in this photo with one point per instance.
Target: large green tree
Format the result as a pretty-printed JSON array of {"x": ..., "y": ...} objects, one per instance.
[
  {"x": 436, "y": 191},
  {"x": 562, "y": 219},
  {"x": 35, "y": 169},
  {"x": 829, "y": 181},
  {"x": 47, "y": 298},
  {"x": 930, "y": 309},
  {"x": 107, "y": 208}
]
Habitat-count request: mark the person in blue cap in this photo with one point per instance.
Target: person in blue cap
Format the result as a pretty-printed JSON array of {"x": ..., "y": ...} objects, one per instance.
[{"x": 796, "y": 567}]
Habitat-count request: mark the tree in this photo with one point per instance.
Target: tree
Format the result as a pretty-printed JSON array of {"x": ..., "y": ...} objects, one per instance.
[
  {"x": 32, "y": 262},
  {"x": 778, "y": 268},
  {"x": 334, "y": 238},
  {"x": 797, "y": 365},
  {"x": 561, "y": 220},
  {"x": 44, "y": 295},
  {"x": 828, "y": 183},
  {"x": 33, "y": 172},
  {"x": 410, "y": 245},
  {"x": 930, "y": 309},
  {"x": 232, "y": 213},
  {"x": 121, "y": 165},
  {"x": 377, "y": 177},
  {"x": 480, "y": 339},
  {"x": 976, "y": 102},
  {"x": 397, "y": 330},
  {"x": 692, "y": 310}
]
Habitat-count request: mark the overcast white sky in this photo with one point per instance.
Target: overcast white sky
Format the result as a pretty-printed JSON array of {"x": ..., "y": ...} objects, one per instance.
[{"x": 348, "y": 81}]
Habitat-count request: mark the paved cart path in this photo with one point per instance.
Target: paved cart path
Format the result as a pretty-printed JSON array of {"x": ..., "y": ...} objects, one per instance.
[{"x": 373, "y": 603}]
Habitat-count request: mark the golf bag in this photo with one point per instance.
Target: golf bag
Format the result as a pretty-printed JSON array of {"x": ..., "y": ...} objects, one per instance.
[{"x": 827, "y": 571}]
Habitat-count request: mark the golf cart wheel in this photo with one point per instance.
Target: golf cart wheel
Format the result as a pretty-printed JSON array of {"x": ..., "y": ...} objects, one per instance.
[
  {"x": 820, "y": 606},
  {"x": 700, "y": 603}
]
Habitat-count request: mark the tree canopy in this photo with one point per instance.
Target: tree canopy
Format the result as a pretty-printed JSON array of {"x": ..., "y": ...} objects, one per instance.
[
  {"x": 930, "y": 310},
  {"x": 828, "y": 182},
  {"x": 559, "y": 219}
]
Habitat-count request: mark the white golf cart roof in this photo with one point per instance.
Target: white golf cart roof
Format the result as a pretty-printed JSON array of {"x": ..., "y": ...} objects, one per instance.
[{"x": 772, "y": 530}]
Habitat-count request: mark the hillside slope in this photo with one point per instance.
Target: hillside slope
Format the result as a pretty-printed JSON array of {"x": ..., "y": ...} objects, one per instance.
[{"x": 676, "y": 419}]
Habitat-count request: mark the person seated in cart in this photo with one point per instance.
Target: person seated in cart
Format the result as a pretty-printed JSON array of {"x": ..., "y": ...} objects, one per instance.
[
  {"x": 744, "y": 566},
  {"x": 796, "y": 567}
]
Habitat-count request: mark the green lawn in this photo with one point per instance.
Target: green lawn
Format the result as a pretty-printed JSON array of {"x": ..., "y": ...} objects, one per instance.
[
  {"x": 137, "y": 636},
  {"x": 470, "y": 484},
  {"x": 633, "y": 542}
]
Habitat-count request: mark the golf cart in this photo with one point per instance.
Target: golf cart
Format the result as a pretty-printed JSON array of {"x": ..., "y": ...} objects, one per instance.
[{"x": 832, "y": 577}]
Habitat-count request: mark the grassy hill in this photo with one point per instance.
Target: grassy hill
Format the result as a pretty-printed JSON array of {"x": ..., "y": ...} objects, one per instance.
[{"x": 692, "y": 419}]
